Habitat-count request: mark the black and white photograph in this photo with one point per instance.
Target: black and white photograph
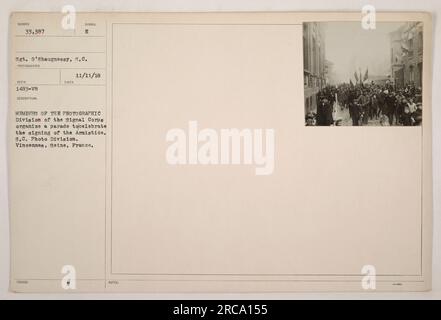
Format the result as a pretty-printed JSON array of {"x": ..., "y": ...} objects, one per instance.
[{"x": 356, "y": 76}]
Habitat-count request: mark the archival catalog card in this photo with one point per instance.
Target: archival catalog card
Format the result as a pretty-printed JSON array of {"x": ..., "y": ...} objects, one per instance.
[{"x": 201, "y": 152}]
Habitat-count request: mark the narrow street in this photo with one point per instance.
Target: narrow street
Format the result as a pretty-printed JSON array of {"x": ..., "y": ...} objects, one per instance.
[{"x": 346, "y": 119}]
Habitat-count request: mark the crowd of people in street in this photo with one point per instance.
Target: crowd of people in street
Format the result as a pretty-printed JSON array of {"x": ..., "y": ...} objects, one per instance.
[{"x": 367, "y": 103}]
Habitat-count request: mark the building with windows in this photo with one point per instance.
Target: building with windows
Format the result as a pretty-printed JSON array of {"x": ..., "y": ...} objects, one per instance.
[
  {"x": 407, "y": 54},
  {"x": 314, "y": 66}
]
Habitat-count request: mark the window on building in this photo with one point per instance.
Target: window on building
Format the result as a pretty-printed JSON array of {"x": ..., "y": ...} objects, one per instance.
[
  {"x": 420, "y": 41},
  {"x": 305, "y": 52},
  {"x": 314, "y": 56}
]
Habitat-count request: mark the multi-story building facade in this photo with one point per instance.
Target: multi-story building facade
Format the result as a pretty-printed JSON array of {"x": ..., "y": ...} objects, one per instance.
[
  {"x": 407, "y": 54},
  {"x": 314, "y": 67}
]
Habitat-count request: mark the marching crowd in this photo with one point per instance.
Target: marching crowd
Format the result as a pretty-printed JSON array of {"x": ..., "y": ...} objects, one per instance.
[{"x": 365, "y": 102}]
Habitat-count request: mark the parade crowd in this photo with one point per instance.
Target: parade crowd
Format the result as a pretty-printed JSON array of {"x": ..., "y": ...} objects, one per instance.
[{"x": 366, "y": 102}]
